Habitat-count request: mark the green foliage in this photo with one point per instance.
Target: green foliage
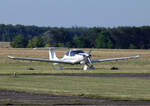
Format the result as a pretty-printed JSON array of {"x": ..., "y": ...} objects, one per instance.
[
  {"x": 132, "y": 46},
  {"x": 8, "y": 32},
  {"x": 37, "y": 41},
  {"x": 78, "y": 41},
  {"x": 58, "y": 37},
  {"x": 104, "y": 41},
  {"x": 110, "y": 44},
  {"x": 19, "y": 42},
  {"x": 47, "y": 45},
  {"x": 81, "y": 37},
  {"x": 30, "y": 44}
]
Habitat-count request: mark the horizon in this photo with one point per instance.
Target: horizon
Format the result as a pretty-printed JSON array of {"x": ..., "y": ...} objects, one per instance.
[{"x": 74, "y": 26}]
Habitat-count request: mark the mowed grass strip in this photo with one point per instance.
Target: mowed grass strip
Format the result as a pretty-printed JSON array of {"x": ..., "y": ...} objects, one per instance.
[
  {"x": 47, "y": 68},
  {"x": 115, "y": 88}
]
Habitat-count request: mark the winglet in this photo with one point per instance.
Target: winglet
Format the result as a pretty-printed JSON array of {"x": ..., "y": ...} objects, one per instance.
[
  {"x": 11, "y": 57},
  {"x": 137, "y": 56}
]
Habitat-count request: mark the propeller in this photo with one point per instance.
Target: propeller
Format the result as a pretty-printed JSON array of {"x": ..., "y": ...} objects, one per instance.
[
  {"x": 89, "y": 59},
  {"x": 89, "y": 56},
  {"x": 90, "y": 51}
]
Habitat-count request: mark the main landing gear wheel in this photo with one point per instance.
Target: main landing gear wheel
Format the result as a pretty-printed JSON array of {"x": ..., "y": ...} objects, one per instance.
[
  {"x": 91, "y": 67},
  {"x": 59, "y": 67}
]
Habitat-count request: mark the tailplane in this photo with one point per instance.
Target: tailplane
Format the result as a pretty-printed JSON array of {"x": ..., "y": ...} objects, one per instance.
[{"x": 52, "y": 54}]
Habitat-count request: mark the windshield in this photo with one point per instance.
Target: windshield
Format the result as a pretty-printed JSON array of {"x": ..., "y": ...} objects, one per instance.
[{"x": 74, "y": 52}]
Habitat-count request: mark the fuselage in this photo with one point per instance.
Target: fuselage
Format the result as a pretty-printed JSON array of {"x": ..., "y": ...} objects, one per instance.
[{"x": 74, "y": 56}]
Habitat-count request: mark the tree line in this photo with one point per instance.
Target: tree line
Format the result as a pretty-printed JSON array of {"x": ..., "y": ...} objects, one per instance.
[{"x": 22, "y": 36}]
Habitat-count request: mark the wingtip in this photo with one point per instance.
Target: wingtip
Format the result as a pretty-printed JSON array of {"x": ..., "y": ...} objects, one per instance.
[
  {"x": 34, "y": 48},
  {"x": 137, "y": 56},
  {"x": 11, "y": 57}
]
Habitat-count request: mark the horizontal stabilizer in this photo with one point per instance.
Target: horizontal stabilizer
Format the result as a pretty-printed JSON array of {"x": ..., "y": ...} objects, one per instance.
[{"x": 47, "y": 48}]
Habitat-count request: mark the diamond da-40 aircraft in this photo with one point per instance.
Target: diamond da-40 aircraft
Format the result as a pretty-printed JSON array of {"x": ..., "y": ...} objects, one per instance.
[{"x": 73, "y": 56}]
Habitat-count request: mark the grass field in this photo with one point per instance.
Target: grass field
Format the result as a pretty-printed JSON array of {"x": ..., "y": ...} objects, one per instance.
[
  {"x": 125, "y": 88},
  {"x": 4, "y": 44}
]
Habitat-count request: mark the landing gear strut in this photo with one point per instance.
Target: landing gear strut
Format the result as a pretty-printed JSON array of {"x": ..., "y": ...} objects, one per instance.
[{"x": 91, "y": 67}]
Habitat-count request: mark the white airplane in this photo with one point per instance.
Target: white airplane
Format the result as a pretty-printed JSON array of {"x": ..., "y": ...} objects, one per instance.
[{"x": 74, "y": 56}]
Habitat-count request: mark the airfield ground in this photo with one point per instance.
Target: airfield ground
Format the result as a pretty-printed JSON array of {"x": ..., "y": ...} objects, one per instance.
[
  {"x": 36, "y": 81},
  {"x": 34, "y": 99}
]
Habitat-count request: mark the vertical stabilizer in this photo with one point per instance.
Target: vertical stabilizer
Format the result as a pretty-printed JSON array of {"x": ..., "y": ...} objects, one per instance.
[{"x": 52, "y": 54}]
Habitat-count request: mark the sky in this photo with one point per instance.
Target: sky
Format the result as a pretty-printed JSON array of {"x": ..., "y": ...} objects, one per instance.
[{"x": 68, "y": 13}]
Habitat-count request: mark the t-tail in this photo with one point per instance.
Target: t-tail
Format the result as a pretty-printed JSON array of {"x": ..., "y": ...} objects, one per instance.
[{"x": 52, "y": 54}]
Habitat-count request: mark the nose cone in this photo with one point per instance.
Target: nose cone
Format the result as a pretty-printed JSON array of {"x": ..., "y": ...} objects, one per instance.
[{"x": 89, "y": 55}]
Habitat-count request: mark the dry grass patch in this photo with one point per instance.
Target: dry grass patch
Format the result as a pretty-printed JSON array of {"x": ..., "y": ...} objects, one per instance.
[{"x": 4, "y": 44}]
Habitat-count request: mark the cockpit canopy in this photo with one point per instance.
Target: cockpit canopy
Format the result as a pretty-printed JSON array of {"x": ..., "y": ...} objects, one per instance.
[{"x": 73, "y": 52}]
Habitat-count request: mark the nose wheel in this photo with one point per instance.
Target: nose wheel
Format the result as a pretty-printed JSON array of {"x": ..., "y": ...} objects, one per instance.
[{"x": 86, "y": 67}]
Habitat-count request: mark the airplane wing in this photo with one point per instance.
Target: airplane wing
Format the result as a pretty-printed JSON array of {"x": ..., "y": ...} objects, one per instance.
[
  {"x": 39, "y": 59},
  {"x": 113, "y": 59}
]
